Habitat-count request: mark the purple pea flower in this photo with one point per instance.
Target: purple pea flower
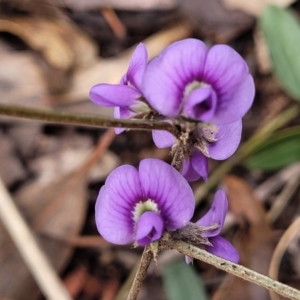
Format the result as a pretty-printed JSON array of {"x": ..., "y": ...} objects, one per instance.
[
  {"x": 212, "y": 85},
  {"x": 127, "y": 96},
  {"x": 218, "y": 142},
  {"x": 216, "y": 215},
  {"x": 139, "y": 205}
]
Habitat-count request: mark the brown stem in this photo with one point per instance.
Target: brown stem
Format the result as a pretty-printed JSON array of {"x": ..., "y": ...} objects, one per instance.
[
  {"x": 141, "y": 273},
  {"x": 60, "y": 117},
  {"x": 167, "y": 242}
]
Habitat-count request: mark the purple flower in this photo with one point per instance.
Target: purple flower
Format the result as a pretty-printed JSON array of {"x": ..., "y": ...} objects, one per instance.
[
  {"x": 218, "y": 142},
  {"x": 138, "y": 205},
  {"x": 127, "y": 96},
  {"x": 216, "y": 215},
  {"x": 208, "y": 85}
]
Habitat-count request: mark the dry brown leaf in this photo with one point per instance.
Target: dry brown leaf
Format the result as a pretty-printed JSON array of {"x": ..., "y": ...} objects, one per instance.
[
  {"x": 21, "y": 81},
  {"x": 48, "y": 167},
  {"x": 24, "y": 137},
  {"x": 274, "y": 183},
  {"x": 61, "y": 44},
  {"x": 117, "y": 4},
  {"x": 243, "y": 204},
  {"x": 255, "y": 7},
  {"x": 212, "y": 20},
  {"x": 93, "y": 287},
  {"x": 75, "y": 281},
  {"x": 11, "y": 169},
  {"x": 110, "y": 291},
  {"x": 255, "y": 245},
  {"x": 32, "y": 7},
  {"x": 111, "y": 70},
  {"x": 57, "y": 210}
]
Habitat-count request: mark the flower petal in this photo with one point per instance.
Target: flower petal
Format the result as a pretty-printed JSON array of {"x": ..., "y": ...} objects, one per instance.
[
  {"x": 188, "y": 171},
  {"x": 188, "y": 259},
  {"x": 216, "y": 214},
  {"x": 150, "y": 228},
  {"x": 224, "y": 68},
  {"x": 115, "y": 204},
  {"x": 222, "y": 248},
  {"x": 167, "y": 75},
  {"x": 234, "y": 103},
  {"x": 162, "y": 138},
  {"x": 114, "y": 95},
  {"x": 137, "y": 66},
  {"x": 228, "y": 139},
  {"x": 200, "y": 164},
  {"x": 122, "y": 113},
  {"x": 195, "y": 167},
  {"x": 201, "y": 104},
  {"x": 168, "y": 188},
  {"x": 227, "y": 72}
]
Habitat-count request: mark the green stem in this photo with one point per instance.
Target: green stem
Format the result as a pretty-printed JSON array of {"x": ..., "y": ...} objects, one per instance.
[
  {"x": 246, "y": 149},
  {"x": 60, "y": 117}
]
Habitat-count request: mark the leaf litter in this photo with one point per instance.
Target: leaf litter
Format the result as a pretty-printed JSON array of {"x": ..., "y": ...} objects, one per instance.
[{"x": 57, "y": 200}]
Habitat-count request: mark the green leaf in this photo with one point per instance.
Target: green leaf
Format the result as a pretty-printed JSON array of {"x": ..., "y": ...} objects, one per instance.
[
  {"x": 280, "y": 150},
  {"x": 282, "y": 31},
  {"x": 181, "y": 282}
]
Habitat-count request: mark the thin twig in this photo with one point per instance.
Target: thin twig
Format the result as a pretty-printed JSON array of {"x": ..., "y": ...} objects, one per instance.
[
  {"x": 114, "y": 22},
  {"x": 280, "y": 203},
  {"x": 167, "y": 243},
  {"x": 277, "y": 181},
  {"x": 90, "y": 120},
  {"x": 36, "y": 261},
  {"x": 141, "y": 273},
  {"x": 280, "y": 249},
  {"x": 125, "y": 288}
]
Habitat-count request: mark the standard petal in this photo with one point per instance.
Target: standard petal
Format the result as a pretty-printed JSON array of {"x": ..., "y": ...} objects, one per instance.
[
  {"x": 188, "y": 171},
  {"x": 200, "y": 164},
  {"x": 114, "y": 95},
  {"x": 222, "y": 248},
  {"x": 227, "y": 72},
  {"x": 224, "y": 68},
  {"x": 216, "y": 214},
  {"x": 201, "y": 104},
  {"x": 167, "y": 75},
  {"x": 235, "y": 102},
  {"x": 168, "y": 188},
  {"x": 162, "y": 138},
  {"x": 150, "y": 228},
  {"x": 115, "y": 204},
  {"x": 137, "y": 66},
  {"x": 228, "y": 139}
]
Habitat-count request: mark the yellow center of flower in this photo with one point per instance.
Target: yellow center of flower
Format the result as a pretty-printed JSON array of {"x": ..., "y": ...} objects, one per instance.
[
  {"x": 142, "y": 207},
  {"x": 190, "y": 87},
  {"x": 140, "y": 107}
]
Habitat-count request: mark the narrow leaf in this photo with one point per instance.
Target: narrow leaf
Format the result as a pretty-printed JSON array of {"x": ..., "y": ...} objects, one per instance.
[
  {"x": 280, "y": 150},
  {"x": 181, "y": 282},
  {"x": 282, "y": 31}
]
